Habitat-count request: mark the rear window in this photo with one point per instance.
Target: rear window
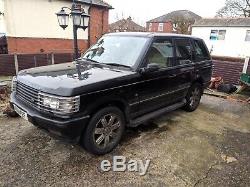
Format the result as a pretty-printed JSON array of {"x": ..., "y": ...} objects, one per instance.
[{"x": 200, "y": 51}]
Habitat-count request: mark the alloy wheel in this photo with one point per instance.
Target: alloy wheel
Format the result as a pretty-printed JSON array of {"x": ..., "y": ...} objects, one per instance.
[
  {"x": 195, "y": 97},
  {"x": 106, "y": 130}
]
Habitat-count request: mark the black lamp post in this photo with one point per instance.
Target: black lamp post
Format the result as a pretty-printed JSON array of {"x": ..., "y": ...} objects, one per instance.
[{"x": 79, "y": 18}]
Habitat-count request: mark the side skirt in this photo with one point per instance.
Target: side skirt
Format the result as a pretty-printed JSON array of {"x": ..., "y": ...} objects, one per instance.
[{"x": 157, "y": 113}]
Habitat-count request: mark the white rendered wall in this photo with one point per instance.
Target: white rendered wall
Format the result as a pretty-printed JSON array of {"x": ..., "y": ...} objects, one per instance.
[
  {"x": 234, "y": 44},
  {"x": 2, "y": 24},
  {"x": 36, "y": 18}
]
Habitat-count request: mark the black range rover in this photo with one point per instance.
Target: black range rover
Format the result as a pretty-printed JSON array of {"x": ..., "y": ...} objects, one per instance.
[{"x": 123, "y": 80}]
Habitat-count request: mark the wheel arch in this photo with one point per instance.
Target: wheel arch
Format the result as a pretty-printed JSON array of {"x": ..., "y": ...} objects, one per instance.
[
  {"x": 200, "y": 81},
  {"x": 105, "y": 102}
]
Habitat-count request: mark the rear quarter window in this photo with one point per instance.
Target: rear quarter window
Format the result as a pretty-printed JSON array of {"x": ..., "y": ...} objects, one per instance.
[
  {"x": 183, "y": 51},
  {"x": 200, "y": 51}
]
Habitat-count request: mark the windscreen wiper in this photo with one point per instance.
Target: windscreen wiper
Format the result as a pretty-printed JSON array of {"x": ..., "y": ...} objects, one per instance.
[
  {"x": 88, "y": 59},
  {"x": 115, "y": 64}
]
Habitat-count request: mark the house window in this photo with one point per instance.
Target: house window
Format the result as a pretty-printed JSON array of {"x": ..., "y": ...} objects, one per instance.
[
  {"x": 248, "y": 36},
  {"x": 221, "y": 34},
  {"x": 218, "y": 35},
  {"x": 150, "y": 27},
  {"x": 160, "y": 27}
]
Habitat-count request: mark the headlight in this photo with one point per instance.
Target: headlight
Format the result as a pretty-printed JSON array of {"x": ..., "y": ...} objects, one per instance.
[
  {"x": 59, "y": 105},
  {"x": 51, "y": 103},
  {"x": 13, "y": 84}
]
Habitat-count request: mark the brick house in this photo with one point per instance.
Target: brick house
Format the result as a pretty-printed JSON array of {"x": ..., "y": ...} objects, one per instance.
[
  {"x": 168, "y": 23},
  {"x": 126, "y": 25},
  {"x": 32, "y": 27}
]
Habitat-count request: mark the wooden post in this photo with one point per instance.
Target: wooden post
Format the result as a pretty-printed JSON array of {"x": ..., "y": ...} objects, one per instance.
[
  {"x": 16, "y": 63},
  {"x": 35, "y": 62},
  {"x": 48, "y": 59},
  {"x": 52, "y": 58},
  {"x": 246, "y": 65},
  {"x": 244, "y": 71}
]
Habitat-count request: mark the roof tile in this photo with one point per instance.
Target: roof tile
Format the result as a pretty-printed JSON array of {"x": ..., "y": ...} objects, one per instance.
[
  {"x": 183, "y": 14},
  {"x": 223, "y": 22}
]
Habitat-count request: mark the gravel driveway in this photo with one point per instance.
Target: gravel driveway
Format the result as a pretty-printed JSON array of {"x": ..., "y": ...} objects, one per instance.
[{"x": 209, "y": 147}]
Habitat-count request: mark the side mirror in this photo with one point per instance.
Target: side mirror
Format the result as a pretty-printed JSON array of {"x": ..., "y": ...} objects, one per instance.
[{"x": 152, "y": 67}]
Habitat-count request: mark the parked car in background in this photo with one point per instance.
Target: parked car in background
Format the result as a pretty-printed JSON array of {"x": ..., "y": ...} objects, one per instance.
[{"x": 123, "y": 80}]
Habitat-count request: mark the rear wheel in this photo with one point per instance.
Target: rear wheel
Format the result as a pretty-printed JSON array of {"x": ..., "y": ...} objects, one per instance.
[
  {"x": 104, "y": 131},
  {"x": 193, "y": 97}
]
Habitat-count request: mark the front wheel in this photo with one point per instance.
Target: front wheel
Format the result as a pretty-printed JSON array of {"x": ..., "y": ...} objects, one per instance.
[
  {"x": 104, "y": 131},
  {"x": 193, "y": 97}
]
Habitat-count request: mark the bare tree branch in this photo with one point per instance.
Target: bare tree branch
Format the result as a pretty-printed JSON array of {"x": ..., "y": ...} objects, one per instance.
[{"x": 235, "y": 8}]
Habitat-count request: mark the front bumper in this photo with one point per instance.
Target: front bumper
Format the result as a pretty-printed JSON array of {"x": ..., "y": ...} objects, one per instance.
[{"x": 68, "y": 129}]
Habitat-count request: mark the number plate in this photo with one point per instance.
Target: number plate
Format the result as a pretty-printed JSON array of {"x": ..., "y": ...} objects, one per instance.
[{"x": 21, "y": 112}]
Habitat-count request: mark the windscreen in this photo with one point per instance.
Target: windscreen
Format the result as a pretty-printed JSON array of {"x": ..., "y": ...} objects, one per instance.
[{"x": 123, "y": 50}]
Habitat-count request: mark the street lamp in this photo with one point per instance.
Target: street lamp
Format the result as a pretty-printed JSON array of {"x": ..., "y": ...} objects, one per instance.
[
  {"x": 76, "y": 16},
  {"x": 63, "y": 19},
  {"x": 85, "y": 20},
  {"x": 79, "y": 18}
]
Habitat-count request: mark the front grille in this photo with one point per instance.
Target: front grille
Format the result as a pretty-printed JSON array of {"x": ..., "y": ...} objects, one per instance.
[
  {"x": 27, "y": 94},
  {"x": 33, "y": 97}
]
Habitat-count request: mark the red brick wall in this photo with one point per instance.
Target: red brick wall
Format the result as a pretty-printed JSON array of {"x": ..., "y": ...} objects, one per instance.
[
  {"x": 42, "y": 45},
  {"x": 98, "y": 27},
  {"x": 98, "y": 23},
  {"x": 167, "y": 27}
]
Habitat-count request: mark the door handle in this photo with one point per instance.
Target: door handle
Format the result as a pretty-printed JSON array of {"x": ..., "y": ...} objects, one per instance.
[{"x": 172, "y": 75}]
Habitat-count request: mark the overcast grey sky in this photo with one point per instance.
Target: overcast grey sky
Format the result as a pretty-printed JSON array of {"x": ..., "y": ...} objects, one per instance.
[{"x": 144, "y": 10}]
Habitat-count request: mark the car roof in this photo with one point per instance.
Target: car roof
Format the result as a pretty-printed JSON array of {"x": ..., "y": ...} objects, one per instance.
[{"x": 149, "y": 34}]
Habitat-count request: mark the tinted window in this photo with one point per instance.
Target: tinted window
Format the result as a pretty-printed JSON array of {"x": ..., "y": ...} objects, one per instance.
[
  {"x": 162, "y": 53},
  {"x": 183, "y": 51},
  {"x": 200, "y": 51}
]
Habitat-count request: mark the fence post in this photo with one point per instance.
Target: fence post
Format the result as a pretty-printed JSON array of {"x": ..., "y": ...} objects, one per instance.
[
  {"x": 246, "y": 65},
  {"x": 52, "y": 58},
  {"x": 48, "y": 59},
  {"x": 35, "y": 62},
  {"x": 16, "y": 63}
]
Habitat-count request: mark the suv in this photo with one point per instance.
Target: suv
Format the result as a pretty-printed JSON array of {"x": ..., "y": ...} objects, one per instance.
[{"x": 123, "y": 80}]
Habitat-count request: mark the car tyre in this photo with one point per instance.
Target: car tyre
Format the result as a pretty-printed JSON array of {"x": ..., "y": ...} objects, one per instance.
[
  {"x": 104, "y": 131},
  {"x": 193, "y": 97}
]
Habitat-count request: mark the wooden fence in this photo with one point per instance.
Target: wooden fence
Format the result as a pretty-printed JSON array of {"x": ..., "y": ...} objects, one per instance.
[
  {"x": 227, "y": 68},
  {"x": 10, "y": 64}
]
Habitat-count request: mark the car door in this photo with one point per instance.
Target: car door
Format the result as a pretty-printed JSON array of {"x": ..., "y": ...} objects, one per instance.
[
  {"x": 160, "y": 88},
  {"x": 183, "y": 69},
  {"x": 202, "y": 60}
]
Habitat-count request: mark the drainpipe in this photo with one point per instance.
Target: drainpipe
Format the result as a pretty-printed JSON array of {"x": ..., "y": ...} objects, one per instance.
[
  {"x": 102, "y": 21},
  {"x": 89, "y": 28}
]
